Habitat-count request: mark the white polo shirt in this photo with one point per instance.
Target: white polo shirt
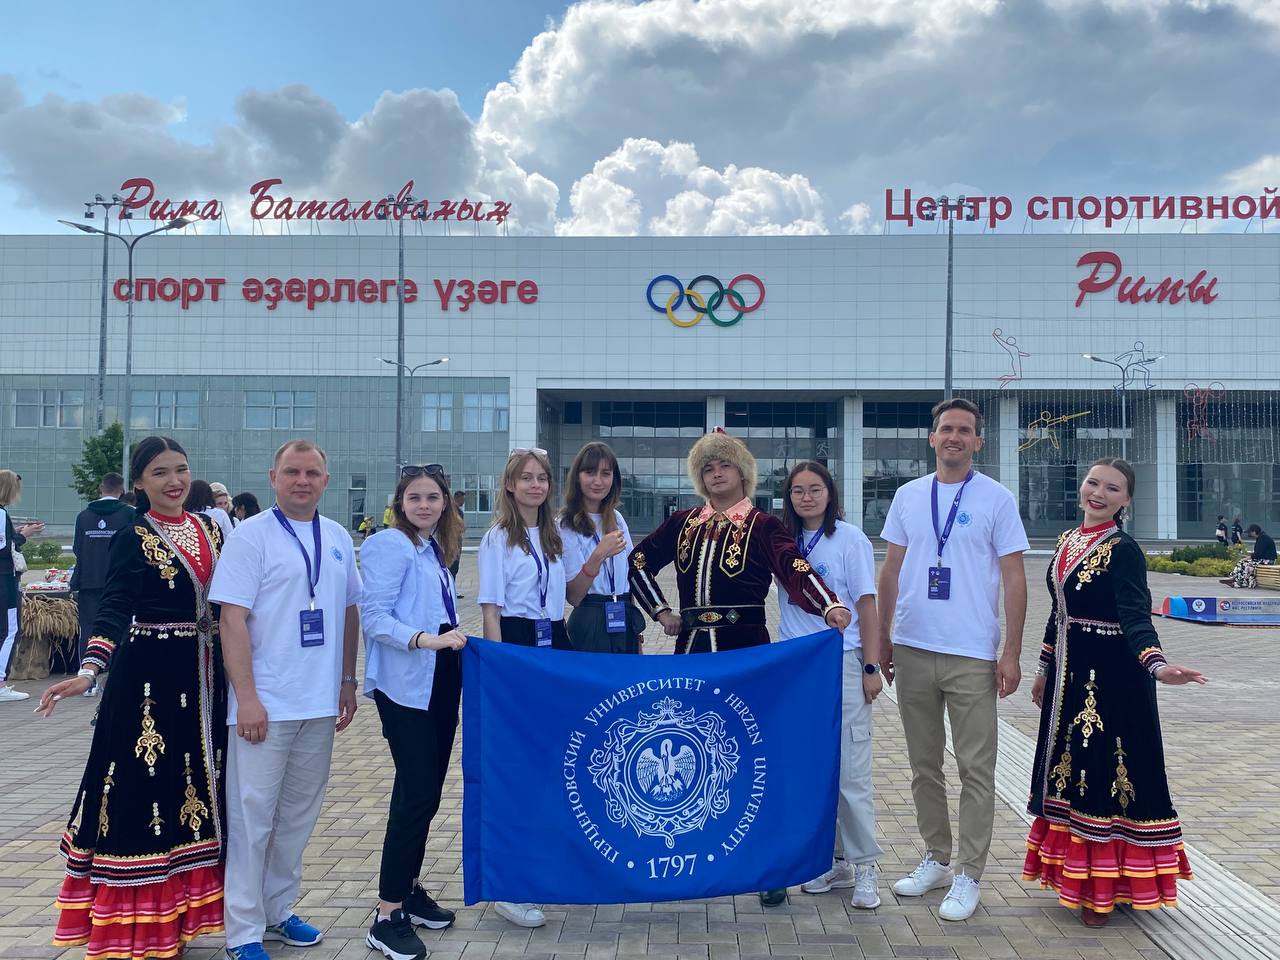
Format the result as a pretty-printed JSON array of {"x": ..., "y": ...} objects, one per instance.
[
  {"x": 262, "y": 569},
  {"x": 509, "y": 577},
  {"x": 847, "y": 564},
  {"x": 578, "y": 550},
  {"x": 987, "y": 528}
]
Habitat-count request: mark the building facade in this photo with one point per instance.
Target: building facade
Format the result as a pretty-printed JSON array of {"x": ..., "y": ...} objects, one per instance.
[{"x": 831, "y": 348}]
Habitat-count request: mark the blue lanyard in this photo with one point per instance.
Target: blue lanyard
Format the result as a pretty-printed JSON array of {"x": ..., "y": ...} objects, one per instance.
[
  {"x": 312, "y": 579},
  {"x": 945, "y": 534},
  {"x": 445, "y": 593},
  {"x": 608, "y": 568},
  {"x": 800, "y": 544},
  {"x": 542, "y": 589}
]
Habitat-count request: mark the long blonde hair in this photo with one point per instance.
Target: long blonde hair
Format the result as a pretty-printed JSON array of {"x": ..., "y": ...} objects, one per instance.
[
  {"x": 574, "y": 512},
  {"x": 507, "y": 515},
  {"x": 10, "y": 487}
]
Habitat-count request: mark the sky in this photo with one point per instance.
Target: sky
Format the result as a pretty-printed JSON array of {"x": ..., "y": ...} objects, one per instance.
[{"x": 661, "y": 118}]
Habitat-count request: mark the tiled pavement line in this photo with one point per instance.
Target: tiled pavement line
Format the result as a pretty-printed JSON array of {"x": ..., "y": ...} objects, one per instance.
[{"x": 1219, "y": 916}]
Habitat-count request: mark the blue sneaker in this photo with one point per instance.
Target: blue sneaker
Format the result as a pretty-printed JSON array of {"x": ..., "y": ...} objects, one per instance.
[
  {"x": 295, "y": 931},
  {"x": 247, "y": 951}
]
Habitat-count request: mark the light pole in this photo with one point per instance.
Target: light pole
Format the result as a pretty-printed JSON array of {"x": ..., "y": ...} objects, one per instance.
[
  {"x": 401, "y": 205},
  {"x": 952, "y": 210},
  {"x": 106, "y": 205},
  {"x": 401, "y": 370},
  {"x": 1122, "y": 392},
  {"x": 182, "y": 221}
]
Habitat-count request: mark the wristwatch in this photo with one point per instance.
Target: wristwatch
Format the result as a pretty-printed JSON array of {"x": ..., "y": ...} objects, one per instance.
[
  {"x": 871, "y": 668},
  {"x": 349, "y": 678}
]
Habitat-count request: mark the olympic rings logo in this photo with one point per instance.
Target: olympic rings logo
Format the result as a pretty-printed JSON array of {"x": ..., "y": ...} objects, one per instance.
[{"x": 706, "y": 305}]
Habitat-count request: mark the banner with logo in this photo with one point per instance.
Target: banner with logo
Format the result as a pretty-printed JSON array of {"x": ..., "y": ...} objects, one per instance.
[{"x": 613, "y": 778}]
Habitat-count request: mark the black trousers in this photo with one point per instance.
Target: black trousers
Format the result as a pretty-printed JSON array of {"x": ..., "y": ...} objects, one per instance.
[
  {"x": 87, "y": 603},
  {"x": 421, "y": 743},
  {"x": 524, "y": 632}
]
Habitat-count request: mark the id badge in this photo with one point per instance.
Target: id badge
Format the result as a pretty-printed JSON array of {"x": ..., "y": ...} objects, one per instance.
[
  {"x": 939, "y": 583},
  {"x": 312, "y": 624},
  {"x": 615, "y": 616},
  {"x": 542, "y": 632}
]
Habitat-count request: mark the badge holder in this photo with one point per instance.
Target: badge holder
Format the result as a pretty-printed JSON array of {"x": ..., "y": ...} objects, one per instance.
[
  {"x": 939, "y": 583},
  {"x": 542, "y": 631},
  {"x": 311, "y": 623},
  {"x": 615, "y": 616}
]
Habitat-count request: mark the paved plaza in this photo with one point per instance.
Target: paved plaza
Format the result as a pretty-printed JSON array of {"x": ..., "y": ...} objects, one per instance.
[{"x": 1224, "y": 772}]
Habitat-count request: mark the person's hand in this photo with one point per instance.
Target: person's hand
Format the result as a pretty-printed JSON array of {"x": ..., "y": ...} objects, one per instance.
[
  {"x": 346, "y": 706},
  {"x": 838, "y": 618},
  {"x": 1008, "y": 675},
  {"x": 610, "y": 545},
  {"x": 31, "y": 529},
  {"x": 452, "y": 640},
  {"x": 671, "y": 623},
  {"x": 251, "y": 720},
  {"x": 872, "y": 684},
  {"x": 1175, "y": 675},
  {"x": 1037, "y": 689},
  {"x": 60, "y": 690},
  {"x": 886, "y": 660}
]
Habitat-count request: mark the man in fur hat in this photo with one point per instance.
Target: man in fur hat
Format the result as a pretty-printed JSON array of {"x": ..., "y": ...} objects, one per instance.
[{"x": 726, "y": 555}]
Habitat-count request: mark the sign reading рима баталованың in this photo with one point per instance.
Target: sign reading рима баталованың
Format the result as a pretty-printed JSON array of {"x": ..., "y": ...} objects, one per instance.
[{"x": 596, "y": 778}]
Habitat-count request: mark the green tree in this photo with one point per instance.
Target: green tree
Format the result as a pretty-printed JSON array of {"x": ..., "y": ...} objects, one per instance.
[{"x": 101, "y": 456}]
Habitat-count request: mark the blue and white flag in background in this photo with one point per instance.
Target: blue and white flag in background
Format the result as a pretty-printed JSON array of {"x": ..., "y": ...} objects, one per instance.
[{"x": 612, "y": 778}]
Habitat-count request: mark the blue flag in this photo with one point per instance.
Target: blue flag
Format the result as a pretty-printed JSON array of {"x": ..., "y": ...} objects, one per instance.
[{"x": 613, "y": 778}]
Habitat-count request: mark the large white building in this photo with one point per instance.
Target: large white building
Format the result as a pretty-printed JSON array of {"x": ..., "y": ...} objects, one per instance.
[{"x": 840, "y": 360}]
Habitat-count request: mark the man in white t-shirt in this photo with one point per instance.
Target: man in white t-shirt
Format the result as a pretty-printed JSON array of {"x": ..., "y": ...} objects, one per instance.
[
  {"x": 289, "y": 590},
  {"x": 953, "y": 538}
]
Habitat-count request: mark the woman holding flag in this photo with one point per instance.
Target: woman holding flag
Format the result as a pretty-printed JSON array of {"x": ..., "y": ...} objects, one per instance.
[
  {"x": 413, "y": 673},
  {"x": 596, "y": 546},
  {"x": 841, "y": 554}
]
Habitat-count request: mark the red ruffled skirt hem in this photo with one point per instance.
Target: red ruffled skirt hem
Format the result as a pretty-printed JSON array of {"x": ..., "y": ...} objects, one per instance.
[
  {"x": 1086, "y": 873},
  {"x": 133, "y": 923}
]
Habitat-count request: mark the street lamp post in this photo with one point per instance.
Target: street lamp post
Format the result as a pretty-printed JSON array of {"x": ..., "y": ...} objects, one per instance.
[
  {"x": 952, "y": 210},
  {"x": 1122, "y": 392},
  {"x": 129, "y": 244},
  {"x": 106, "y": 205},
  {"x": 401, "y": 369},
  {"x": 401, "y": 205}
]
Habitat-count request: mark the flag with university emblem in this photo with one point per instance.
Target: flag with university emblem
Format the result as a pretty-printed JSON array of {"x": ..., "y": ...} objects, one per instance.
[{"x": 610, "y": 778}]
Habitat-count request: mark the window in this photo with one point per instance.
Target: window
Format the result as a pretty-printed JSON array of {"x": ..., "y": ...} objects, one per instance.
[
  {"x": 165, "y": 410},
  {"x": 48, "y": 408},
  {"x": 280, "y": 409},
  {"x": 437, "y": 412},
  {"x": 485, "y": 413}
]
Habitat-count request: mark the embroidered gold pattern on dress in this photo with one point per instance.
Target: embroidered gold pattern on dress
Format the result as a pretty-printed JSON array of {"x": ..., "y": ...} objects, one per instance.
[
  {"x": 800, "y": 566},
  {"x": 193, "y": 809},
  {"x": 104, "y": 824},
  {"x": 1088, "y": 718},
  {"x": 150, "y": 744},
  {"x": 1121, "y": 788},
  {"x": 157, "y": 554},
  {"x": 183, "y": 533},
  {"x": 1098, "y": 562},
  {"x": 733, "y": 555},
  {"x": 638, "y": 559},
  {"x": 1062, "y": 772}
]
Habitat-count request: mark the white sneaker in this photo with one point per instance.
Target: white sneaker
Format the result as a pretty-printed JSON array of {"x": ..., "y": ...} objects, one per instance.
[
  {"x": 9, "y": 695},
  {"x": 840, "y": 875},
  {"x": 961, "y": 900},
  {"x": 521, "y": 914},
  {"x": 91, "y": 692},
  {"x": 930, "y": 875},
  {"x": 866, "y": 887}
]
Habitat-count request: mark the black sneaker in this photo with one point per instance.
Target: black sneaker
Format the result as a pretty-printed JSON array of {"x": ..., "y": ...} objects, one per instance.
[
  {"x": 422, "y": 911},
  {"x": 395, "y": 938},
  {"x": 772, "y": 898}
]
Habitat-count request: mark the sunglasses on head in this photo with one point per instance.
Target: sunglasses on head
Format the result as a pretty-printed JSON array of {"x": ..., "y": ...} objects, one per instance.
[
  {"x": 424, "y": 470},
  {"x": 525, "y": 451}
]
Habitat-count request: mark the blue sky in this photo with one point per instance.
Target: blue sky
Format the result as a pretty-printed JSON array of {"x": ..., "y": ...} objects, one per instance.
[{"x": 639, "y": 116}]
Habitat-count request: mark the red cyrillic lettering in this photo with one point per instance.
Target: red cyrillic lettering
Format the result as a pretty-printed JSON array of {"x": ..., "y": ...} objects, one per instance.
[
  {"x": 1191, "y": 208},
  {"x": 1244, "y": 208},
  {"x": 1269, "y": 206},
  {"x": 1058, "y": 203},
  {"x": 262, "y": 202},
  {"x": 466, "y": 294},
  {"x": 1094, "y": 205},
  {"x": 120, "y": 288},
  {"x": 1198, "y": 293},
  {"x": 1001, "y": 207},
  {"x": 214, "y": 285},
  {"x": 1035, "y": 208},
  {"x": 284, "y": 209},
  {"x": 465, "y": 209},
  {"x": 527, "y": 291},
  {"x": 1219, "y": 206},
  {"x": 890, "y": 215},
  {"x": 137, "y": 194},
  {"x": 410, "y": 291},
  {"x": 927, "y": 209},
  {"x": 317, "y": 292},
  {"x": 367, "y": 291},
  {"x": 192, "y": 291},
  {"x": 295, "y": 290},
  {"x": 160, "y": 210},
  {"x": 504, "y": 287},
  {"x": 168, "y": 289},
  {"x": 274, "y": 292},
  {"x": 363, "y": 212},
  {"x": 487, "y": 291},
  {"x": 341, "y": 210},
  {"x": 212, "y": 210},
  {"x": 444, "y": 210},
  {"x": 1139, "y": 204},
  {"x": 1162, "y": 208},
  {"x": 499, "y": 213},
  {"x": 387, "y": 287},
  {"x": 251, "y": 290},
  {"x": 344, "y": 288},
  {"x": 1117, "y": 209},
  {"x": 444, "y": 293},
  {"x": 1092, "y": 284},
  {"x": 312, "y": 210}
]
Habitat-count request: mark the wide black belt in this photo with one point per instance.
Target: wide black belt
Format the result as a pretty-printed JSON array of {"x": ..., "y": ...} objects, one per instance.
[
  {"x": 596, "y": 599},
  {"x": 701, "y": 618}
]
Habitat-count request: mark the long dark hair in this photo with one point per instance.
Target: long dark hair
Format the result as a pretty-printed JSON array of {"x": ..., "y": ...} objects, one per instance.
[
  {"x": 834, "y": 513},
  {"x": 199, "y": 497},
  {"x": 1130, "y": 479},
  {"x": 247, "y": 502},
  {"x": 574, "y": 512},
  {"x": 448, "y": 531},
  {"x": 144, "y": 451}
]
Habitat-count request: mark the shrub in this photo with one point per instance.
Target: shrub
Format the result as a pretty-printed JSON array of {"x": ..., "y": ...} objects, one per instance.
[
  {"x": 1211, "y": 567},
  {"x": 1192, "y": 554},
  {"x": 42, "y": 553}
]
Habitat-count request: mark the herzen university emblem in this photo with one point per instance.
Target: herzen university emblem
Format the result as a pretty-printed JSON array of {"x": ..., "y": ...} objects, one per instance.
[{"x": 665, "y": 773}]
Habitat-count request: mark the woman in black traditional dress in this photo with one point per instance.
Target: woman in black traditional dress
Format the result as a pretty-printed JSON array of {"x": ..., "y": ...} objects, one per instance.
[
  {"x": 144, "y": 845},
  {"x": 1105, "y": 830}
]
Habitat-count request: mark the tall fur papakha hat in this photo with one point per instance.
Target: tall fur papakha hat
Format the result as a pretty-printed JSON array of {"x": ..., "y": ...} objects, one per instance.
[{"x": 718, "y": 445}]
